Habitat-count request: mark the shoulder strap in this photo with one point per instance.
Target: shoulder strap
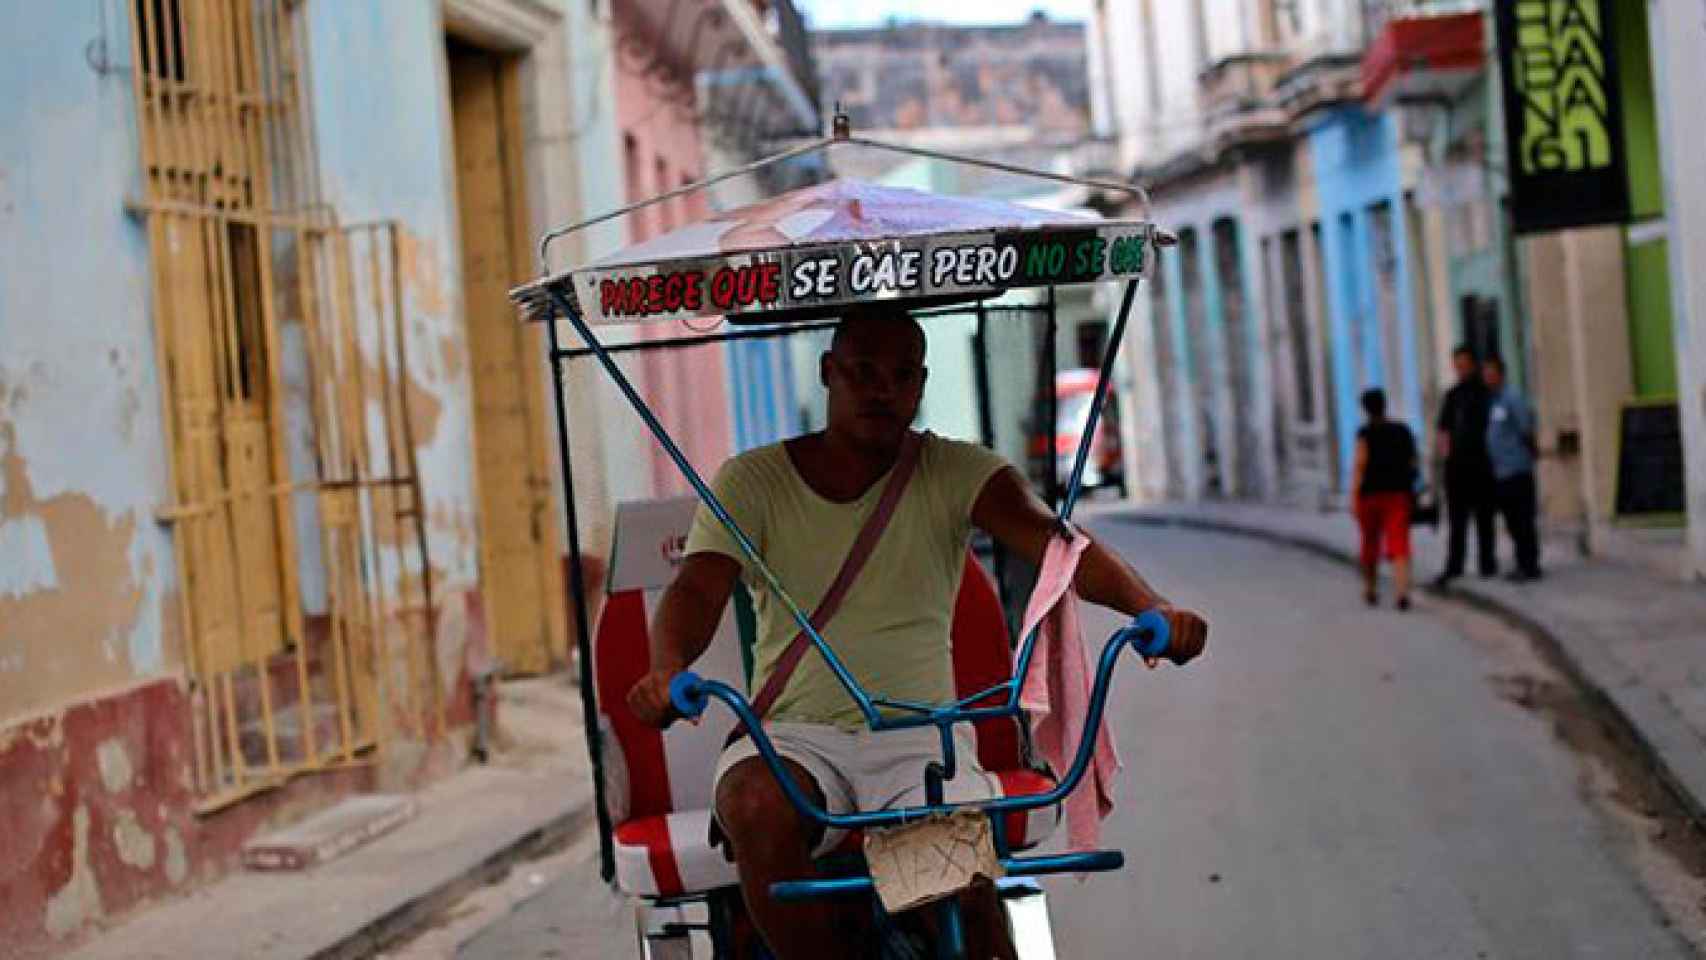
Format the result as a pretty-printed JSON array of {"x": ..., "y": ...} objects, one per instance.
[{"x": 863, "y": 546}]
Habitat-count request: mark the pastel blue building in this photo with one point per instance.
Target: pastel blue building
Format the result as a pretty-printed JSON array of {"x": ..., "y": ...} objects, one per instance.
[{"x": 1366, "y": 259}]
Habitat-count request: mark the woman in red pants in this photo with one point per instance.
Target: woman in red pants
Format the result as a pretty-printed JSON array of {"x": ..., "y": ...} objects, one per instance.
[{"x": 1384, "y": 475}]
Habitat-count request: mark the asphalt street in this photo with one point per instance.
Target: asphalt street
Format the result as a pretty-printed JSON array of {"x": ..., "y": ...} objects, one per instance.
[{"x": 1329, "y": 781}]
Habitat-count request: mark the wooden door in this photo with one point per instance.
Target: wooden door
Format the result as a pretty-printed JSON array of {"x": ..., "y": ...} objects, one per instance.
[{"x": 520, "y": 569}]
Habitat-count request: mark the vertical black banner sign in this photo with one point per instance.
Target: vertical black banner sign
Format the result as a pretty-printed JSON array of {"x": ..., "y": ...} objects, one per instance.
[{"x": 1563, "y": 113}]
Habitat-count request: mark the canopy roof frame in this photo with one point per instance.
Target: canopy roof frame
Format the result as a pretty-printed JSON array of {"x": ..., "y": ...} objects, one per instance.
[
  {"x": 843, "y": 135},
  {"x": 560, "y": 303}
]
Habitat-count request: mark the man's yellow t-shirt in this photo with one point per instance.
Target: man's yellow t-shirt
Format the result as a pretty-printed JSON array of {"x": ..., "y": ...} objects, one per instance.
[{"x": 892, "y": 631}]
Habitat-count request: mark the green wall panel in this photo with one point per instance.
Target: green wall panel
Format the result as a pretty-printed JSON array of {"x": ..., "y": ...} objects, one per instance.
[
  {"x": 1651, "y": 346},
  {"x": 1640, "y": 125}
]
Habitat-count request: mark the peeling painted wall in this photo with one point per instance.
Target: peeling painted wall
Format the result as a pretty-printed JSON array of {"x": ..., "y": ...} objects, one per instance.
[
  {"x": 96, "y": 773},
  {"x": 95, "y": 807},
  {"x": 380, "y": 114},
  {"x": 382, "y": 125},
  {"x": 87, "y": 576},
  {"x": 660, "y": 151},
  {"x": 1197, "y": 205}
]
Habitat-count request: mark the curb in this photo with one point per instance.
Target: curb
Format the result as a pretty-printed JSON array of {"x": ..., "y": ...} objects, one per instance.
[
  {"x": 398, "y": 922},
  {"x": 1667, "y": 745}
]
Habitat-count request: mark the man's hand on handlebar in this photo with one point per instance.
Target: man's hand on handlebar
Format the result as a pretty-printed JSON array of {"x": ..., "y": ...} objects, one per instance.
[
  {"x": 1189, "y": 635},
  {"x": 649, "y": 698}
]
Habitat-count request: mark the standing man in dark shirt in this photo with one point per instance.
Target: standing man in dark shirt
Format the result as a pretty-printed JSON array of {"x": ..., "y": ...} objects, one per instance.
[{"x": 1468, "y": 472}]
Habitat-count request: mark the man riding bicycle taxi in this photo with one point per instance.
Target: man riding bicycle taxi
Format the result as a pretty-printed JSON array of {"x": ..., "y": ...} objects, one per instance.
[{"x": 802, "y": 502}]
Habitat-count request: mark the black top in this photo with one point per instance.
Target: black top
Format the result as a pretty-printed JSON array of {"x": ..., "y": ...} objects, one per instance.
[
  {"x": 1463, "y": 416},
  {"x": 1391, "y": 458}
]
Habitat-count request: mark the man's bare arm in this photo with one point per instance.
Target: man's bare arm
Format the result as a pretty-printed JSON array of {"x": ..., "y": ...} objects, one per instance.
[
  {"x": 686, "y": 621},
  {"x": 1008, "y": 511}
]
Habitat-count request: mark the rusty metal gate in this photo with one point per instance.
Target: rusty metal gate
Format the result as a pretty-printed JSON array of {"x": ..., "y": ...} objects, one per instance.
[{"x": 301, "y": 553}]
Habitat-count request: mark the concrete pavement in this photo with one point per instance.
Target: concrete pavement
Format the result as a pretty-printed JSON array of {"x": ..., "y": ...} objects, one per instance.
[
  {"x": 535, "y": 796},
  {"x": 1330, "y": 781},
  {"x": 1627, "y": 635},
  {"x": 1338, "y": 781}
]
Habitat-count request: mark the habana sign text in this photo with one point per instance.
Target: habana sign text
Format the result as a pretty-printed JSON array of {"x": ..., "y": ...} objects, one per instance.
[{"x": 1563, "y": 113}]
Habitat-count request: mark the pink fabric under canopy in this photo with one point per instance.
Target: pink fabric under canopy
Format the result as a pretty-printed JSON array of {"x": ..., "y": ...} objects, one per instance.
[{"x": 835, "y": 212}]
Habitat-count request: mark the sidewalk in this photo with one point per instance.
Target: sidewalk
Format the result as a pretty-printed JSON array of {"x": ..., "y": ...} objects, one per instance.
[
  {"x": 1630, "y": 637},
  {"x": 532, "y": 798}
]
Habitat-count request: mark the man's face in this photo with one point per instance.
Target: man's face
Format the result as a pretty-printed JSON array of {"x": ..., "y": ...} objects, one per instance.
[
  {"x": 1494, "y": 375},
  {"x": 875, "y": 380},
  {"x": 1465, "y": 365}
]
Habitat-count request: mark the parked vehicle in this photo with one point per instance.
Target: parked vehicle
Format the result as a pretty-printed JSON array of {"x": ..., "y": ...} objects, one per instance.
[{"x": 1075, "y": 393}]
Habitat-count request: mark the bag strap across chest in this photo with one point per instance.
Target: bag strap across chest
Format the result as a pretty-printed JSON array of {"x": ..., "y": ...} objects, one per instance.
[{"x": 863, "y": 546}]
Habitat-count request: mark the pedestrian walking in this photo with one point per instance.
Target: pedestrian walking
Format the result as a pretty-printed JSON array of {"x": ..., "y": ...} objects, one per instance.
[
  {"x": 1462, "y": 443},
  {"x": 1383, "y": 479},
  {"x": 1510, "y": 450}
]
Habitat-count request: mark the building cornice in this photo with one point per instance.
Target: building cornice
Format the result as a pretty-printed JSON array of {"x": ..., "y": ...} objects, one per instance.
[{"x": 503, "y": 24}]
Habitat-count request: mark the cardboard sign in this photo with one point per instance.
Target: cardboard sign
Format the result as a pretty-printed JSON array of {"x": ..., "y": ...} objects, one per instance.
[
  {"x": 926, "y": 861},
  {"x": 650, "y": 538}
]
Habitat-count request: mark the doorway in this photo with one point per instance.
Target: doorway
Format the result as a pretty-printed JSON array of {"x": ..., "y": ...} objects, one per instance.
[{"x": 520, "y": 559}]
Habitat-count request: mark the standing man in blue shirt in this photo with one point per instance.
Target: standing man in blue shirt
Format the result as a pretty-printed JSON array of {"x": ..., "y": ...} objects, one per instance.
[{"x": 1511, "y": 448}]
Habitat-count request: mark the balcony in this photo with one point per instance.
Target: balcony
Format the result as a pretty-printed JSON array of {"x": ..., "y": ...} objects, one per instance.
[
  {"x": 1237, "y": 97},
  {"x": 750, "y": 60},
  {"x": 1425, "y": 52}
]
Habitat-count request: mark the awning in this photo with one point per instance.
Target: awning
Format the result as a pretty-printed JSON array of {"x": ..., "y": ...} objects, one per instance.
[
  {"x": 1423, "y": 56},
  {"x": 823, "y": 247}
]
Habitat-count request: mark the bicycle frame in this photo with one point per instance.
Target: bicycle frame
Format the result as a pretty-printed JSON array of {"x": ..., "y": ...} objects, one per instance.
[
  {"x": 553, "y": 296},
  {"x": 1148, "y": 635},
  {"x": 921, "y": 715}
]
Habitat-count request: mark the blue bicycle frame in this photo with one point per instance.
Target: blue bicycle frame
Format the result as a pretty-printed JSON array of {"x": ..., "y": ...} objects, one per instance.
[{"x": 1148, "y": 635}]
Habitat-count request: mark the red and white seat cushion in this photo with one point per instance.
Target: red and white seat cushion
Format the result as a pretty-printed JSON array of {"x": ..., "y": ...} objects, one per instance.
[{"x": 658, "y": 784}]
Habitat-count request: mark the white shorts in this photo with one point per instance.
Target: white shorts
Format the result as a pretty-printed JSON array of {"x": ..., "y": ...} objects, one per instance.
[{"x": 862, "y": 770}]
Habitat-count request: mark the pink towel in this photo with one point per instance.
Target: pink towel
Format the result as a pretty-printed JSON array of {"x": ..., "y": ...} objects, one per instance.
[{"x": 1057, "y": 692}]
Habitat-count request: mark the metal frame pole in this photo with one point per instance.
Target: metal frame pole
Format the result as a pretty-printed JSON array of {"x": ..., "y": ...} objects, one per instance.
[
  {"x": 1115, "y": 338},
  {"x": 1051, "y": 367},
  {"x": 583, "y": 641},
  {"x": 986, "y": 428},
  {"x": 980, "y": 354},
  {"x": 1109, "y": 356}
]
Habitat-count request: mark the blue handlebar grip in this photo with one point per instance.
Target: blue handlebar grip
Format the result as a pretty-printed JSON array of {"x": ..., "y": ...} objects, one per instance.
[
  {"x": 687, "y": 694},
  {"x": 1150, "y": 633}
]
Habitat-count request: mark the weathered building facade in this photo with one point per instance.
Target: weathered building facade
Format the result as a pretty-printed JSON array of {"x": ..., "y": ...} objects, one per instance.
[
  {"x": 1338, "y": 176},
  {"x": 277, "y": 481}
]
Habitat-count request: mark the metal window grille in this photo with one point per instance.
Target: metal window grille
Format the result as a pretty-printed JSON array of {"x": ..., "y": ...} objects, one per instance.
[{"x": 248, "y": 268}]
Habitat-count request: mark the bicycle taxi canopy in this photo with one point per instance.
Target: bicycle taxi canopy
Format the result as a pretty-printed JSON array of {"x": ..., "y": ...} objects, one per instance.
[{"x": 823, "y": 251}]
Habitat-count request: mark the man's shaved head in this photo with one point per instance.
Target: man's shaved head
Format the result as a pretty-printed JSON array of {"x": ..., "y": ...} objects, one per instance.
[
  {"x": 886, "y": 324},
  {"x": 874, "y": 372}
]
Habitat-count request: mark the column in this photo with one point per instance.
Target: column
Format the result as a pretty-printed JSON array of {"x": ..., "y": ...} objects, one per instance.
[{"x": 1678, "y": 35}]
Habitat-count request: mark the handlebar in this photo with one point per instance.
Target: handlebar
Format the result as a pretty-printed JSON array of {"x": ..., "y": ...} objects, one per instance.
[
  {"x": 1150, "y": 635},
  {"x": 688, "y": 695}
]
